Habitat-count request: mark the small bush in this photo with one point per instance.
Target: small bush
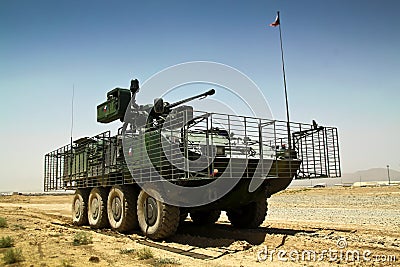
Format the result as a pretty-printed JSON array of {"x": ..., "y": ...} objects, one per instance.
[
  {"x": 66, "y": 263},
  {"x": 3, "y": 222},
  {"x": 165, "y": 261},
  {"x": 126, "y": 251},
  {"x": 144, "y": 254},
  {"x": 82, "y": 238},
  {"x": 13, "y": 255},
  {"x": 6, "y": 242}
]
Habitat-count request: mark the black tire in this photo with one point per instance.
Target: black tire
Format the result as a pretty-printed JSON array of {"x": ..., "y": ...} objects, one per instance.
[
  {"x": 97, "y": 208},
  {"x": 121, "y": 208},
  {"x": 249, "y": 216},
  {"x": 79, "y": 207},
  {"x": 205, "y": 217},
  {"x": 160, "y": 220}
]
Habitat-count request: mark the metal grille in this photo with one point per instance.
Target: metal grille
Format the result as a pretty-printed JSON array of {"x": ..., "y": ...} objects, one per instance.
[
  {"x": 318, "y": 148},
  {"x": 195, "y": 146}
]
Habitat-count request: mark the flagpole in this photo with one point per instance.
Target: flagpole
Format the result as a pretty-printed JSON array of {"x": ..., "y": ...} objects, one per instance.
[{"x": 284, "y": 84}]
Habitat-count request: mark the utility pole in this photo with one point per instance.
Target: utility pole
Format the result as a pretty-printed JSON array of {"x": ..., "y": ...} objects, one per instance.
[{"x": 387, "y": 166}]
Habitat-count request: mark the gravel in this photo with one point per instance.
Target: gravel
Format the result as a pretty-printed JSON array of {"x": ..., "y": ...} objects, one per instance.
[{"x": 340, "y": 206}]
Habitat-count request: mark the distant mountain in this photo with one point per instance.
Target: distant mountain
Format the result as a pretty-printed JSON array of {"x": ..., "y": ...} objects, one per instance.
[
  {"x": 371, "y": 175},
  {"x": 375, "y": 174}
]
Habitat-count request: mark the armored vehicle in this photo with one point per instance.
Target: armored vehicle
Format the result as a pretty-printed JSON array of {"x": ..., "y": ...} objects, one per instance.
[{"x": 136, "y": 179}]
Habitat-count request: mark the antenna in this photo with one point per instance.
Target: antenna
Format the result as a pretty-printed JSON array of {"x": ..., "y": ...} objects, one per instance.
[
  {"x": 72, "y": 128},
  {"x": 72, "y": 111}
]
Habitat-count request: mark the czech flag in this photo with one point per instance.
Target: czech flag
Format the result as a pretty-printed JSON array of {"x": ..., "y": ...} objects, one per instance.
[{"x": 276, "y": 22}]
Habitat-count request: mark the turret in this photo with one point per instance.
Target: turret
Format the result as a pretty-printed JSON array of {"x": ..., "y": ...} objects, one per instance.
[{"x": 118, "y": 101}]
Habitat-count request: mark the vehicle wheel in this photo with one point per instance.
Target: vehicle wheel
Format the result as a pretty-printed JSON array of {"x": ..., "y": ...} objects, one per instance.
[
  {"x": 79, "y": 207},
  {"x": 157, "y": 220},
  {"x": 249, "y": 216},
  {"x": 121, "y": 208},
  {"x": 205, "y": 217},
  {"x": 97, "y": 210}
]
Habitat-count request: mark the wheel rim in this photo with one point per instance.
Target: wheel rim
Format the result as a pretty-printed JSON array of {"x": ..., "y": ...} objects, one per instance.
[
  {"x": 77, "y": 208},
  {"x": 150, "y": 211},
  {"x": 95, "y": 208},
  {"x": 116, "y": 208}
]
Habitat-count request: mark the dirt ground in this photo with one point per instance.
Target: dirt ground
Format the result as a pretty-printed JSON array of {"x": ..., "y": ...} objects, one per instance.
[{"x": 313, "y": 227}]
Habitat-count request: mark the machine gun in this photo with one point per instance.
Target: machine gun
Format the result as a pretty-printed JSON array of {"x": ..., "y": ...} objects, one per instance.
[
  {"x": 173, "y": 115},
  {"x": 169, "y": 107}
]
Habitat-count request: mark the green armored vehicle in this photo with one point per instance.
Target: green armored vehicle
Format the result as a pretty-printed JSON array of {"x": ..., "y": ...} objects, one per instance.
[{"x": 168, "y": 161}]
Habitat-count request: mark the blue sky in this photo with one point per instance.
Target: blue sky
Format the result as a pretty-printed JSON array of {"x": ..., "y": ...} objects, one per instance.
[{"x": 342, "y": 65}]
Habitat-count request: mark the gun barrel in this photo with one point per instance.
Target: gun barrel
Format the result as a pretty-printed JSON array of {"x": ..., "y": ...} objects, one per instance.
[{"x": 208, "y": 93}]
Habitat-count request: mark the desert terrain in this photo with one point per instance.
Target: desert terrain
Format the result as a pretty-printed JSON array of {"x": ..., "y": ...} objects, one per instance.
[{"x": 314, "y": 227}]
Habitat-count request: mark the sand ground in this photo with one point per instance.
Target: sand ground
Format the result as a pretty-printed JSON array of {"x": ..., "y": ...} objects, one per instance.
[{"x": 312, "y": 227}]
